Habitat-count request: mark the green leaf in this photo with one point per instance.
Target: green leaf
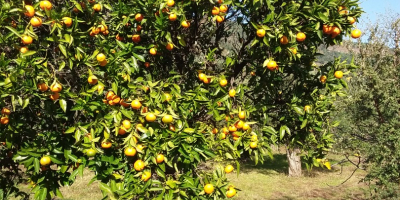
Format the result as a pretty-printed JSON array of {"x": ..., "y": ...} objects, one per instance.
[
  {"x": 188, "y": 130},
  {"x": 63, "y": 50},
  {"x": 26, "y": 102},
  {"x": 43, "y": 194},
  {"x": 36, "y": 165},
  {"x": 298, "y": 110},
  {"x": 63, "y": 105},
  {"x": 282, "y": 132},
  {"x": 14, "y": 31},
  {"x": 106, "y": 189}
]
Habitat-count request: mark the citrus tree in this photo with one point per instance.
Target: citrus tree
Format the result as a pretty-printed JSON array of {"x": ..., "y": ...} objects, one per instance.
[{"x": 145, "y": 92}]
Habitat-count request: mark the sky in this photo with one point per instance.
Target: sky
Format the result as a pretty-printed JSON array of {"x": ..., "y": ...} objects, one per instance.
[{"x": 375, "y": 8}]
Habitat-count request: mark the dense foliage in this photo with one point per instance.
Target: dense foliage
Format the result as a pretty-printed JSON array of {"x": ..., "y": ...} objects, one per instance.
[{"x": 143, "y": 92}]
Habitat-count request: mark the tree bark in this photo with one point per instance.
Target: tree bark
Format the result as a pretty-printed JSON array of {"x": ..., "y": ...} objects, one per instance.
[{"x": 293, "y": 156}]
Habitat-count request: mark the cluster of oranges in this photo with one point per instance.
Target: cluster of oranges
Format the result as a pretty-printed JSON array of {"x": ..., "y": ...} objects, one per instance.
[
  {"x": 209, "y": 189},
  {"x": 334, "y": 31},
  {"x": 219, "y": 12},
  {"x": 5, "y": 112}
]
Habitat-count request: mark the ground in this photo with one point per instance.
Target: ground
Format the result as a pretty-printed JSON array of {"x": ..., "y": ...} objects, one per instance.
[{"x": 264, "y": 181}]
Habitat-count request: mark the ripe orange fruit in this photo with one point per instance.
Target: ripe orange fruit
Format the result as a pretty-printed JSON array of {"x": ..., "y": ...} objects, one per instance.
[
  {"x": 126, "y": 124},
  {"x": 103, "y": 63},
  {"x": 45, "y": 5},
  {"x": 36, "y": 21},
  {"x": 260, "y": 33},
  {"x": 138, "y": 28},
  {"x": 110, "y": 95},
  {"x": 55, "y": 96},
  {"x": 160, "y": 158},
  {"x": 116, "y": 99},
  {"x": 150, "y": 117},
  {"x": 5, "y": 111},
  {"x": 231, "y": 192},
  {"x": 24, "y": 49},
  {"x": 138, "y": 165},
  {"x": 185, "y": 24},
  {"x": 91, "y": 152},
  {"x": 170, "y": 3},
  {"x": 223, "y": 8},
  {"x": 167, "y": 97},
  {"x": 153, "y": 51},
  {"x": 215, "y": 11},
  {"x": 356, "y": 33},
  {"x": 45, "y": 161},
  {"x": 170, "y": 46},
  {"x": 326, "y": 29},
  {"x": 207, "y": 80},
  {"x": 220, "y": 19},
  {"x": 103, "y": 28},
  {"x": 338, "y": 74},
  {"x": 284, "y": 40},
  {"x": 147, "y": 64},
  {"x": 220, "y": 1},
  {"x": 307, "y": 108},
  {"x": 172, "y": 17},
  {"x": 342, "y": 10},
  {"x": 92, "y": 1},
  {"x": 4, "y": 120},
  {"x": 136, "y": 38},
  {"x": 246, "y": 127},
  {"x": 223, "y": 82},
  {"x": 228, "y": 169},
  {"x": 271, "y": 65},
  {"x": 119, "y": 38},
  {"x": 240, "y": 124},
  {"x": 172, "y": 127},
  {"x": 146, "y": 176},
  {"x": 139, "y": 147},
  {"x": 254, "y": 138},
  {"x": 97, "y": 7},
  {"x": 100, "y": 57},
  {"x": 56, "y": 87},
  {"x": 136, "y": 104},
  {"x": 222, "y": 136},
  {"x": 232, "y": 92},
  {"x": 352, "y": 20},
  {"x": 139, "y": 17},
  {"x": 253, "y": 145},
  {"x": 214, "y": 131},
  {"x": 322, "y": 79},
  {"x": 67, "y": 21},
  {"x": 130, "y": 151},
  {"x": 92, "y": 80},
  {"x": 232, "y": 128},
  {"x": 242, "y": 115},
  {"x": 335, "y": 31},
  {"x": 225, "y": 130},
  {"x": 209, "y": 188},
  {"x": 26, "y": 39},
  {"x": 300, "y": 37},
  {"x": 167, "y": 119},
  {"x": 106, "y": 145},
  {"x": 43, "y": 87},
  {"x": 30, "y": 11},
  {"x": 293, "y": 50},
  {"x": 252, "y": 73},
  {"x": 121, "y": 131},
  {"x": 202, "y": 76}
]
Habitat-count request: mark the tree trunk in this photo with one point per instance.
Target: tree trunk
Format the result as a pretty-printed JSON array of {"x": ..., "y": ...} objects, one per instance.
[{"x": 293, "y": 156}]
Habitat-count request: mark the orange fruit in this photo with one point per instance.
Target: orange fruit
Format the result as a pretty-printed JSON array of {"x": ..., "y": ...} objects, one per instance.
[
  {"x": 116, "y": 99},
  {"x": 147, "y": 64},
  {"x": 223, "y": 8},
  {"x": 121, "y": 131},
  {"x": 138, "y": 165},
  {"x": 126, "y": 124},
  {"x": 232, "y": 128},
  {"x": 26, "y": 39},
  {"x": 97, "y": 7},
  {"x": 170, "y": 46},
  {"x": 67, "y": 21},
  {"x": 240, "y": 124},
  {"x": 232, "y": 92},
  {"x": 338, "y": 74},
  {"x": 100, "y": 57},
  {"x": 307, "y": 108},
  {"x": 222, "y": 136},
  {"x": 185, "y": 24},
  {"x": 322, "y": 79},
  {"x": 136, "y": 104},
  {"x": 172, "y": 127},
  {"x": 214, "y": 131},
  {"x": 153, "y": 51},
  {"x": 55, "y": 96},
  {"x": 242, "y": 115},
  {"x": 351, "y": 20},
  {"x": 160, "y": 158},
  {"x": 284, "y": 40},
  {"x": 254, "y": 138},
  {"x": 209, "y": 188},
  {"x": 36, "y": 21},
  {"x": 202, "y": 76},
  {"x": 124, "y": 103},
  {"x": 56, "y": 87},
  {"x": 326, "y": 29},
  {"x": 5, "y": 111},
  {"x": 246, "y": 127},
  {"x": 207, "y": 80},
  {"x": 172, "y": 17},
  {"x": 91, "y": 152},
  {"x": 228, "y": 169},
  {"x": 271, "y": 65},
  {"x": 260, "y": 33},
  {"x": 110, "y": 95},
  {"x": 4, "y": 120},
  {"x": 253, "y": 145},
  {"x": 45, "y": 5},
  {"x": 356, "y": 33},
  {"x": 230, "y": 193},
  {"x": 167, "y": 97},
  {"x": 225, "y": 130},
  {"x": 146, "y": 176},
  {"x": 150, "y": 117},
  {"x": 223, "y": 82},
  {"x": 220, "y": 19},
  {"x": 252, "y": 73},
  {"x": 119, "y": 38},
  {"x": 92, "y": 80},
  {"x": 293, "y": 50},
  {"x": 103, "y": 28},
  {"x": 136, "y": 38},
  {"x": 300, "y": 37},
  {"x": 130, "y": 151},
  {"x": 30, "y": 11},
  {"x": 167, "y": 119},
  {"x": 140, "y": 147},
  {"x": 24, "y": 49},
  {"x": 215, "y": 11},
  {"x": 170, "y": 3},
  {"x": 103, "y": 63},
  {"x": 106, "y": 145},
  {"x": 139, "y": 17},
  {"x": 138, "y": 28},
  {"x": 335, "y": 31},
  {"x": 43, "y": 87},
  {"x": 45, "y": 161},
  {"x": 220, "y": 1}
]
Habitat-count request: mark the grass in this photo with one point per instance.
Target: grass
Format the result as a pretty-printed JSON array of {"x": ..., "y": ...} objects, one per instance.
[{"x": 264, "y": 181}]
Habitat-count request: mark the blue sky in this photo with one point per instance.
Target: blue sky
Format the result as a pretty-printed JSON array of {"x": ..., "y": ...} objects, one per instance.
[{"x": 375, "y": 8}]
